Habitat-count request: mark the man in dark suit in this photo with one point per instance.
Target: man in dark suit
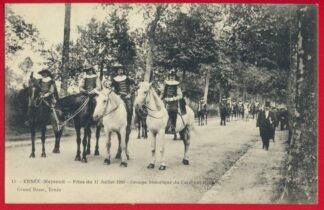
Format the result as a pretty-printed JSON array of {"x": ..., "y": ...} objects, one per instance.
[{"x": 265, "y": 122}]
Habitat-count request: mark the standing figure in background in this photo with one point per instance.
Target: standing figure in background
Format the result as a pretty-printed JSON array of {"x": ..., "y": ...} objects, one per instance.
[
  {"x": 275, "y": 121},
  {"x": 223, "y": 112},
  {"x": 202, "y": 112},
  {"x": 265, "y": 122}
]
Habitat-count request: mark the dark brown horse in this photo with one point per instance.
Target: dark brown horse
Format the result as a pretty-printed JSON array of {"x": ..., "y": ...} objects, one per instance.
[
  {"x": 39, "y": 116},
  {"x": 78, "y": 107}
]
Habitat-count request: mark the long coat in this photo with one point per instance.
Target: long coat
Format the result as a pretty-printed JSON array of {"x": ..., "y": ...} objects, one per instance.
[{"x": 266, "y": 125}]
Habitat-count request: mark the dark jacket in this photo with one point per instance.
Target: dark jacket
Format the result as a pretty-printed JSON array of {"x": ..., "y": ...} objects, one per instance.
[{"x": 266, "y": 125}]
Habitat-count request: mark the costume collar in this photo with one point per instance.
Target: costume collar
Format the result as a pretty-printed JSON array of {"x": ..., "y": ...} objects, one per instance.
[
  {"x": 46, "y": 79},
  {"x": 120, "y": 78},
  {"x": 90, "y": 76},
  {"x": 171, "y": 82}
]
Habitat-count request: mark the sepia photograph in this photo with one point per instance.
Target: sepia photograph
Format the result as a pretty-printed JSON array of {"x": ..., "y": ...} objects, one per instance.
[{"x": 161, "y": 103}]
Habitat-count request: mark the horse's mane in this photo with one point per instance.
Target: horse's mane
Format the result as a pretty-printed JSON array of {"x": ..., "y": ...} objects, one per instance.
[{"x": 117, "y": 98}]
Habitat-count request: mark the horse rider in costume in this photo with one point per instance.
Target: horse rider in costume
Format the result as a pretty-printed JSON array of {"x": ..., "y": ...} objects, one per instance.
[
  {"x": 90, "y": 83},
  {"x": 171, "y": 95},
  {"x": 124, "y": 87},
  {"x": 48, "y": 90}
]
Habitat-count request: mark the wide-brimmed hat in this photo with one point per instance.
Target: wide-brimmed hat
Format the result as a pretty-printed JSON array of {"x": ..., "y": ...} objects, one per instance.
[
  {"x": 46, "y": 71},
  {"x": 88, "y": 67},
  {"x": 172, "y": 72}
]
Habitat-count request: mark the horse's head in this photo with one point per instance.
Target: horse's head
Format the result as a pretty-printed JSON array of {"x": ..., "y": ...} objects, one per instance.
[
  {"x": 102, "y": 100},
  {"x": 143, "y": 95},
  {"x": 34, "y": 88}
]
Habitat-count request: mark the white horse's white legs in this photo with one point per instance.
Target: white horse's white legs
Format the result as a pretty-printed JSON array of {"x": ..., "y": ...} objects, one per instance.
[
  {"x": 108, "y": 145},
  {"x": 123, "y": 147},
  {"x": 186, "y": 142},
  {"x": 162, "y": 148},
  {"x": 152, "y": 138}
]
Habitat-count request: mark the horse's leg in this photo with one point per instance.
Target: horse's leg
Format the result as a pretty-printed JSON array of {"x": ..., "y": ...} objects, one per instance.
[
  {"x": 89, "y": 141},
  {"x": 84, "y": 144},
  {"x": 108, "y": 145},
  {"x": 186, "y": 142},
  {"x": 145, "y": 128},
  {"x": 124, "y": 155},
  {"x": 78, "y": 140},
  {"x": 139, "y": 128},
  {"x": 98, "y": 129},
  {"x": 43, "y": 137},
  {"x": 206, "y": 118},
  {"x": 152, "y": 137},
  {"x": 175, "y": 136},
  {"x": 127, "y": 134},
  {"x": 58, "y": 135},
  {"x": 162, "y": 148},
  {"x": 118, "y": 154},
  {"x": 32, "y": 135}
]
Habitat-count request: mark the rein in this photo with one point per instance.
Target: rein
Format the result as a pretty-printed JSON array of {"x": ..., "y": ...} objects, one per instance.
[
  {"x": 76, "y": 112},
  {"x": 150, "y": 109},
  {"x": 106, "y": 106},
  {"x": 59, "y": 124}
]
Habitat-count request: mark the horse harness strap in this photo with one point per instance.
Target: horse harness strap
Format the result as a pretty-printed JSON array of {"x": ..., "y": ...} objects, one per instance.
[{"x": 75, "y": 113}]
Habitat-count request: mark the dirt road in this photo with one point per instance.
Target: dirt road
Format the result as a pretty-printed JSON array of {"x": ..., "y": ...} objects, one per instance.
[{"x": 225, "y": 167}]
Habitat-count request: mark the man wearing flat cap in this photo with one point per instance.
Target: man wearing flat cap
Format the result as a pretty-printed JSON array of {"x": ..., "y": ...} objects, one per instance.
[
  {"x": 265, "y": 122},
  {"x": 124, "y": 87}
]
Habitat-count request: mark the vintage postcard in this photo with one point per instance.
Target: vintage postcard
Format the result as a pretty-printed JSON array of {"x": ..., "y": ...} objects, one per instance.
[{"x": 161, "y": 103}]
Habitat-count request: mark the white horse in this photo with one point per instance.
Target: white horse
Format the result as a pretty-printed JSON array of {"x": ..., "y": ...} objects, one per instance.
[
  {"x": 157, "y": 119},
  {"x": 111, "y": 109}
]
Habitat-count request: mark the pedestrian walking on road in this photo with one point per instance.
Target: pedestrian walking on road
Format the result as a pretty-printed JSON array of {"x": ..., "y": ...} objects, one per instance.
[{"x": 265, "y": 123}]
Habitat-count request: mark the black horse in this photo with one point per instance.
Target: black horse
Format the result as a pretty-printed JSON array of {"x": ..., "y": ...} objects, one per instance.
[
  {"x": 78, "y": 107},
  {"x": 140, "y": 121},
  {"x": 39, "y": 116},
  {"x": 202, "y": 114}
]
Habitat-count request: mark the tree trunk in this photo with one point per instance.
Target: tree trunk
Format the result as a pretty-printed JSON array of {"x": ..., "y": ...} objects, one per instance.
[
  {"x": 150, "y": 41},
  {"x": 207, "y": 85},
  {"x": 149, "y": 61},
  {"x": 301, "y": 174},
  {"x": 65, "y": 54}
]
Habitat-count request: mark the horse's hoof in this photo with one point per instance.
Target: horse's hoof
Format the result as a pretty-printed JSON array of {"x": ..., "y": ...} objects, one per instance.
[
  {"x": 118, "y": 156},
  {"x": 84, "y": 160},
  {"x": 162, "y": 167},
  {"x": 185, "y": 162},
  {"x": 88, "y": 152},
  {"x": 96, "y": 153},
  {"x": 128, "y": 157},
  {"x": 107, "y": 161},
  {"x": 43, "y": 155},
  {"x": 138, "y": 137},
  {"x": 77, "y": 158},
  {"x": 56, "y": 150},
  {"x": 150, "y": 166},
  {"x": 123, "y": 164},
  {"x": 32, "y": 155}
]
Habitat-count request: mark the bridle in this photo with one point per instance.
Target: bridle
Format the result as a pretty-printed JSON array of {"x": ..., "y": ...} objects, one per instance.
[
  {"x": 150, "y": 109},
  {"x": 106, "y": 107}
]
